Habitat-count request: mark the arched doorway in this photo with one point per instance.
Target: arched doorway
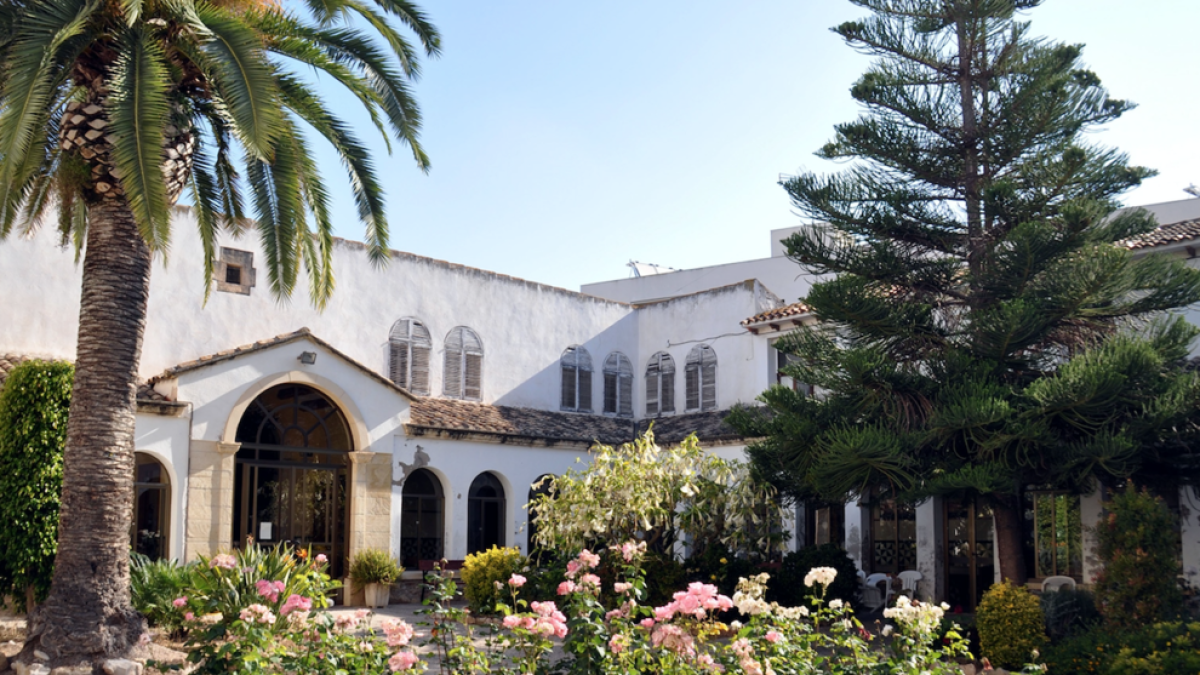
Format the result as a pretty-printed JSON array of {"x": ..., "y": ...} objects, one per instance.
[
  {"x": 421, "y": 523},
  {"x": 485, "y": 513},
  {"x": 150, "y": 528},
  {"x": 290, "y": 482}
]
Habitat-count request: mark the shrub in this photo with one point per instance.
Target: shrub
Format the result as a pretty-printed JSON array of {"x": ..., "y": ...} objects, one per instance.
[
  {"x": 228, "y": 583},
  {"x": 1157, "y": 649},
  {"x": 787, "y": 587},
  {"x": 664, "y": 577},
  {"x": 482, "y": 571},
  {"x": 1010, "y": 624},
  {"x": 374, "y": 566},
  {"x": 33, "y": 432},
  {"x": 1068, "y": 612},
  {"x": 154, "y": 586},
  {"x": 1137, "y": 544}
]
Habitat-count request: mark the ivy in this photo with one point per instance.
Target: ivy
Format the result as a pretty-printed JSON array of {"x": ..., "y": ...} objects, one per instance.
[{"x": 33, "y": 432}]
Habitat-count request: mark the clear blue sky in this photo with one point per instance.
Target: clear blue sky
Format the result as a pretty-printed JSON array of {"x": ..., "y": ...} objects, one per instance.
[{"x": 569, "y": 137}]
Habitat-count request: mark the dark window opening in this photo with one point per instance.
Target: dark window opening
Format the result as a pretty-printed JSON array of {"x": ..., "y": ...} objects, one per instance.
[{"x": 233, "y": 275}]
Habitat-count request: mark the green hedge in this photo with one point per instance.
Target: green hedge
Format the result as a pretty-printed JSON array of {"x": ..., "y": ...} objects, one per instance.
[{"x": 33, "y": 432}]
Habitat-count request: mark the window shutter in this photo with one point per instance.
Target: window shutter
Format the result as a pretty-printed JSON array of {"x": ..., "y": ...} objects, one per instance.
[
  {"x": 708, "y": 389},
  {"x": 473, "y": 379},
  {"x": 420, "y": 370},
  {"x": 568, "y": 387},
  {"x": 652, "y": 378},
  {"x": 691, "y": 386},
  {"x": 668, "y": 392},
  {"x": 452, "y": 377},
  {"x": 610, "y": 393},
  {"x": 585, "y": 390},
  {"x": 625, "y": 383}
]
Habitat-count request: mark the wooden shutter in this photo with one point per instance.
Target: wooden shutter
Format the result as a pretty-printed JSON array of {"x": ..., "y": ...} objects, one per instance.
[
  {"x": 610, "y": 392},
  {"x": 700, "y": 379},
  {"x": 452, "y": 364},
  {"x": 585, "y": 390},
  {"x": 652, "y": 386},
  {"x": 398, "y": 368},
  {"x": 420, "y": 370},
  {"x": 708, "y": 381},
  {"x": 668, "y": 392},
  {"x": 568, "y": 386},
  {"x": 473, "y": 377},
  {"x": 625, "y": 387},
  {"x": 691, "y": 386}
]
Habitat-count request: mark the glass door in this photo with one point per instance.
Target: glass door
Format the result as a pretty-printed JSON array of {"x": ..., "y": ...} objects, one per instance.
[{"x": 970, "y": 545}]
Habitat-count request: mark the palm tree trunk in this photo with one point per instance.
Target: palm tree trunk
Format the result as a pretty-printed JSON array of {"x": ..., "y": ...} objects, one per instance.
[{"x": 88, "y": 616}]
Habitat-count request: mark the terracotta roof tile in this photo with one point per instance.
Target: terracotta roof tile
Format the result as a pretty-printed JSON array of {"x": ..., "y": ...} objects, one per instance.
[
  {"x": 793, "y": 310},
  {"x": 435, "y": 414},
  {"x": 1166, "y": 234}
]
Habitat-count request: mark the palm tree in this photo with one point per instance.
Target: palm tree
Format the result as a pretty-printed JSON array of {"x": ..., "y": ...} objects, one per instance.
[{"x": 109, "y": 109}]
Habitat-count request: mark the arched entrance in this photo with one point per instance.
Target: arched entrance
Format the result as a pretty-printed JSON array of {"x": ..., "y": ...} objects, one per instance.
[
  {"x": 151, "y": 508},
  {"x": 421, "y": 524},
  {"x": 485, "y": 513},
  {"x": 291, "y": 474}
]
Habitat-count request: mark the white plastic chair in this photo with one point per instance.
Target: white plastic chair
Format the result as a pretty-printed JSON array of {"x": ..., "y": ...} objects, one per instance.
[
  {"x": 874, "y": 596},
  {"x": 1052, "y": 584},
  {"x": 908, "y": 582}
]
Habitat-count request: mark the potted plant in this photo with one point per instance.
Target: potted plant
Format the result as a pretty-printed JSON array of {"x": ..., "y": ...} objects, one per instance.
[{"x": 375, "y": 570}]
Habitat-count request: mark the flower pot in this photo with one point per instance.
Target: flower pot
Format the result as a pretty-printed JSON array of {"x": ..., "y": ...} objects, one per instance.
[{"x": 376, "y": 595}]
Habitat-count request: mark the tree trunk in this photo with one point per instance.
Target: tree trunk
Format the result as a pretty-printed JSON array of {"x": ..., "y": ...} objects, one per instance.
[
  {"x": 1006, "y": 512},
  {"x": 88, "y": 616}
]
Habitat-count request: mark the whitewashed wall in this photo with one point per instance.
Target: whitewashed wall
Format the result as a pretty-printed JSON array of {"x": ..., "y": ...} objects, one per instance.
[{"x": 166, "y": 439}]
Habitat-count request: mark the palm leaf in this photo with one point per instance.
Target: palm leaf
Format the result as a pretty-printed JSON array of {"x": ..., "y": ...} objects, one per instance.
[
  {"x": 316, "y": 246},
  {"x": 206, "y": 200},
  {"x": 138, "y": 110},
  {"x": 243, "y": 78}
]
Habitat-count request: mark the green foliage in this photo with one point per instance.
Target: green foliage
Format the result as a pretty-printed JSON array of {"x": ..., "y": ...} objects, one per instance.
[
  {"x": 643, "y": 492},
  {"x": 981, "y": 325},
  {"x": 664, "y": 577},
  {"x": 34, "y": 403},
  {"x": 1155, "y": 649},
  {"x": 719, "y": 566},
  {"x": 1069, "y": 612},
  {"x": 1010, "y": 624},
  {"x": 374, "y": 566},
  {"x": 154, "y": 586},
  {"x": 1137, "y": 544},
  {"x": 227, "y": 583},
  {"x": 787, "y": 586},
  {"x": 208, "y": 78},
  {"x": 482, "y": 572}
]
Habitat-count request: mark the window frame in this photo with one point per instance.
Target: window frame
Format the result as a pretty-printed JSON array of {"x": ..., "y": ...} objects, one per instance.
[
  {"x": 408, "y": 349},
  {"x": 700, "y": 379},
  {"x": 575, "y": 366},
  {"x": 463, "y": 353},
  {"x": 618, "y": 385},
  {"x": 660, "y": 385}
]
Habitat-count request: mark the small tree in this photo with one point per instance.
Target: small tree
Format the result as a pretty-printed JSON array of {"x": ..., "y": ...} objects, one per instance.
[
  {"x": 33, "y": 432},
  {"x": 643, "y": 492},
  {"x": 1137, "y": 544}
]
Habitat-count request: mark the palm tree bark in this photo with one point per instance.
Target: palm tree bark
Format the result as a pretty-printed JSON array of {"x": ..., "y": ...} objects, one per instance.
[{"x": 88, "y": 616}]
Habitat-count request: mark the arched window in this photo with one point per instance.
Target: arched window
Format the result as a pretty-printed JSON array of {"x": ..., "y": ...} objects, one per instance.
[
  {"x": 542, "y": 486},
  {"x": 151, "y": 507},
  {"x": 409, "y": 346},
  {"x": 576, "y": 379},
  {"x": 700, "y": 378},
  {"x": 291, "y": 473},
  {"x": 485, "y": 513},
  {"x": 463, "y": 376},
  {"x": 421, "y": 520},
  {"x": 660, "y": 385},
  {"x": 618, "y": 385}
]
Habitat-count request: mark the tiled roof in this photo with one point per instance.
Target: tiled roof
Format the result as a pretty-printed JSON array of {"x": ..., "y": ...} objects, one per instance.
[
  {"x": 779, "y": 313},
  {"x": 1166, "y": 234},
  {"x": 445, "y": 415},
  {"x": 301, "y": 334},
  {"x": 145, "y": 391}
]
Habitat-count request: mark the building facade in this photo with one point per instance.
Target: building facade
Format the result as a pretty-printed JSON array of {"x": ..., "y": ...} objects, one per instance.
[{"x": 418, "y": 410}]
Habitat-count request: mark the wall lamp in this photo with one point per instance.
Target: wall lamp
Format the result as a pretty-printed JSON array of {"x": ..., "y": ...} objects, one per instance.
[{"x": 308, "y": 358}]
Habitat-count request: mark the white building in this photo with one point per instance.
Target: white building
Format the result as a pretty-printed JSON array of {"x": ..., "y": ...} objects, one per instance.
[{"x": 416, "y": 411}]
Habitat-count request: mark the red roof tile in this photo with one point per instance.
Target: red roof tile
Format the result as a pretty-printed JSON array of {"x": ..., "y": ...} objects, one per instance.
[
  {"x": 1172, "y": 233},
  {"x": 787, "y": 312}
]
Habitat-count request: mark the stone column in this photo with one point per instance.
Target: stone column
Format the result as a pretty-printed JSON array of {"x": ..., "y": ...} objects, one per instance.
[
  {"x": 930, "y": 550},
  {"x": 1091, "y": 509},
  {"x": 209, "y": 526},
  {"x": 1189, "y": 525},
  {"x": 858, "y": 533},
  {"x": 370, "y": 508}
]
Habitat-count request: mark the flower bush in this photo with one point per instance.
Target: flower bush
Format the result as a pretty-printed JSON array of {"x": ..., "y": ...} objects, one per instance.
[
  {"x": 253, "y": 612},
  {"x": 155, "y": 586},
  {"x": 484, "y": 573},
  {"x": 689, "y": 634},
  {"x": 1156, "y": 649}
]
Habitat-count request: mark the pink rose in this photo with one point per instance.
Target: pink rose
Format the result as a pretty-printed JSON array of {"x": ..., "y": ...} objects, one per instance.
[
  {"x": 179, "y": 602},
  {"x": 188, "y": 616},
  {"x": 566, "y": 587},
  {"x": 516, "y": 581},
  {"x": 402, "y": 661},
  {"x": 773, "y": 636}
]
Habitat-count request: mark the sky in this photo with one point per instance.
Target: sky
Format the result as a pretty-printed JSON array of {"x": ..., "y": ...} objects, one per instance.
[{"x": 568, "y": 138}]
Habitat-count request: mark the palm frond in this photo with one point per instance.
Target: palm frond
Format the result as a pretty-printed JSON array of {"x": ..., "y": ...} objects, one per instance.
[
  {"x": 138, "y": 110},
  {"x": 317, "y": 246},
  {"x": 206, "y": 200},
  {"x": 243, "y": 79}
]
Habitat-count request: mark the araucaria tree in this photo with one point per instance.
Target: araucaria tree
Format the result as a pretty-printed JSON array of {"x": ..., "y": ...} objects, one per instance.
[
  {"x": 109, "y": 109},
  {"x": 982, "y": 328}
]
